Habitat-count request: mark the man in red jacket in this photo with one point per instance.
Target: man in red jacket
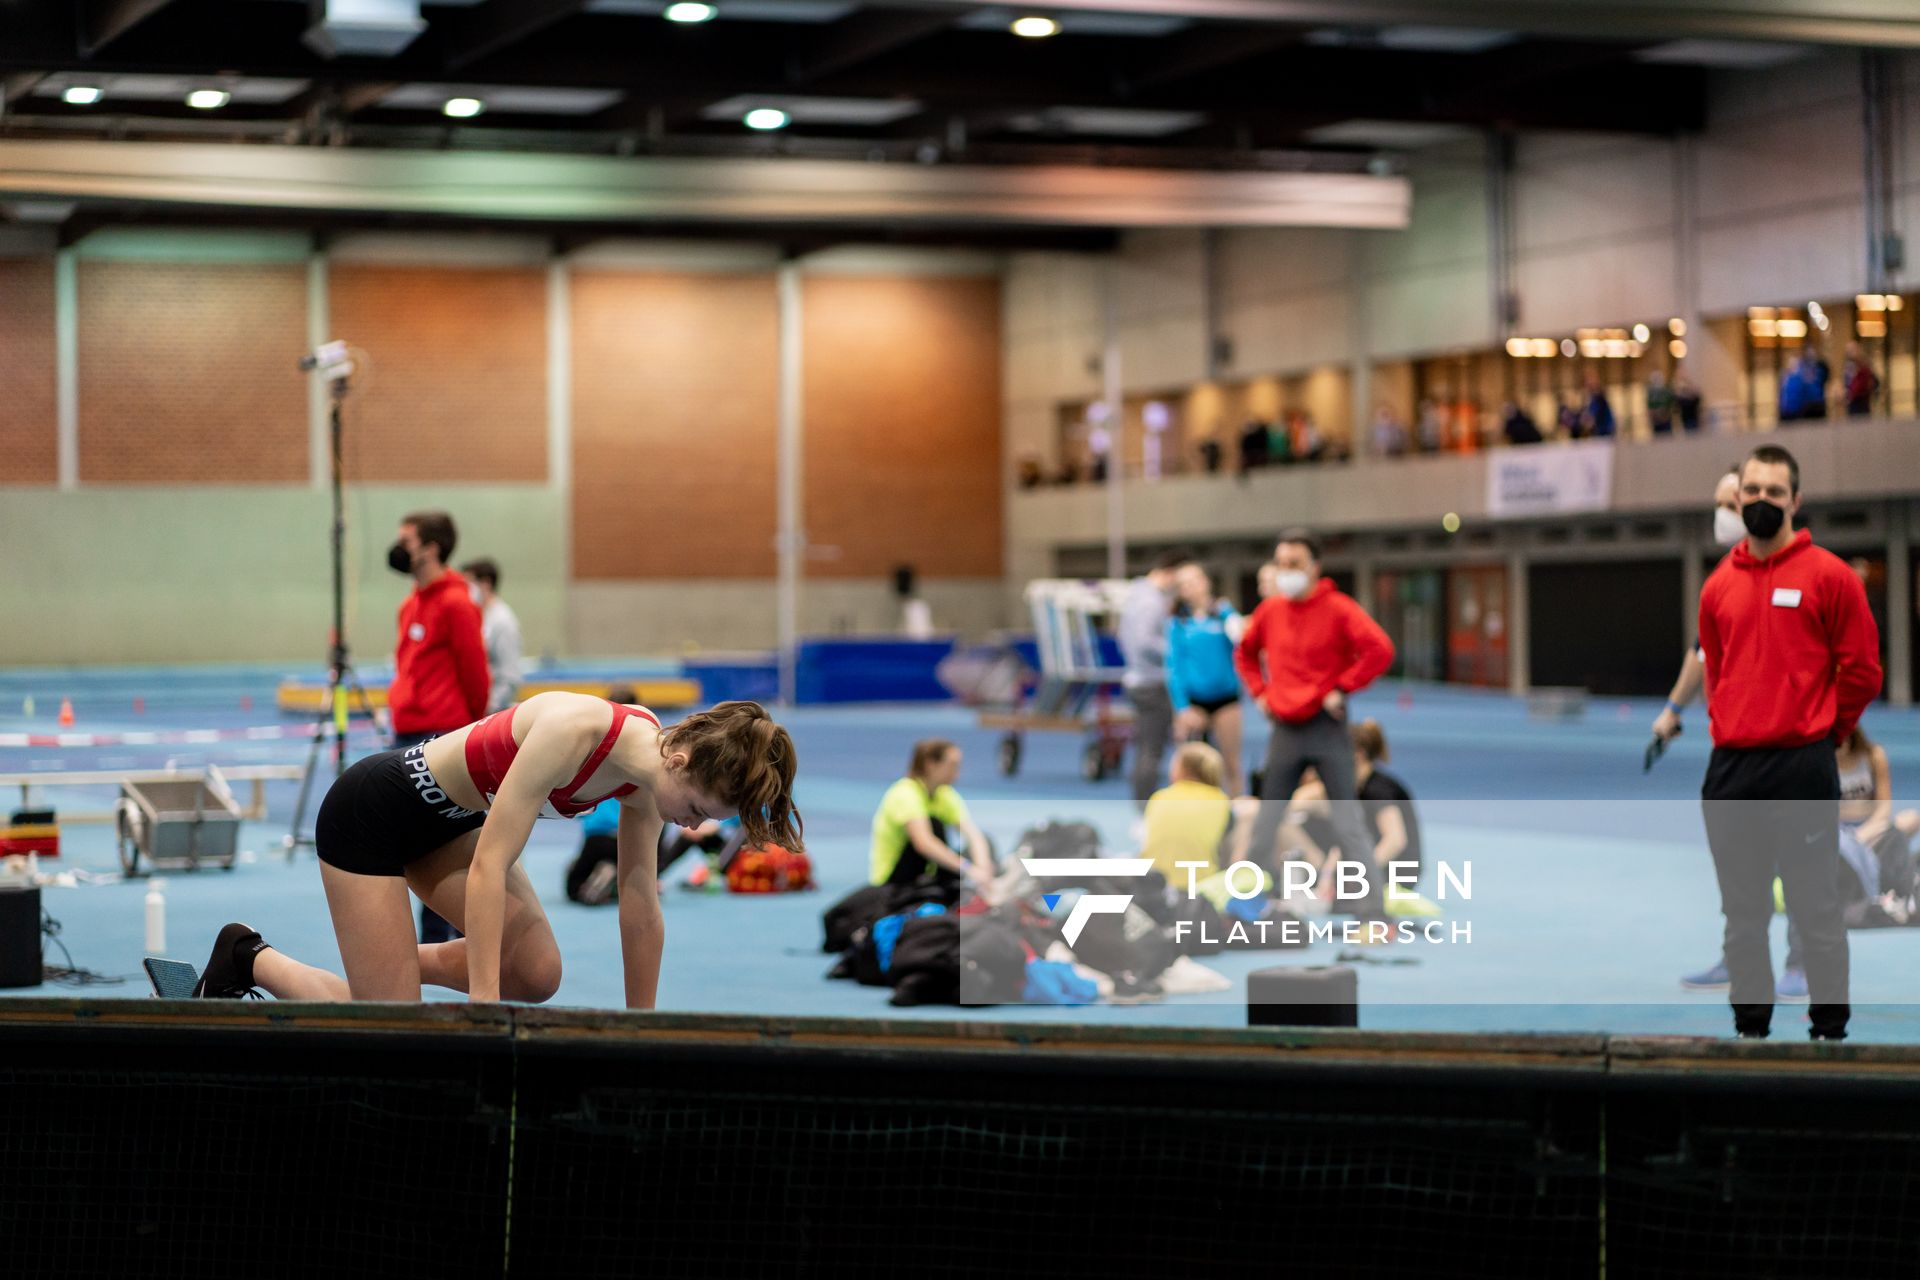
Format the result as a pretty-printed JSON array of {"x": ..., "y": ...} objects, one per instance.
[
  {"x": 440, "y": 677},
  {"x": 1795, "y": 658},
  {"x": 1304, "y": 650}
]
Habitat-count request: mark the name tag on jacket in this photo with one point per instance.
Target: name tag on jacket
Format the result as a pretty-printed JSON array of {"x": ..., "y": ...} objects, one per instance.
[{"x": 1787, "y": 597}]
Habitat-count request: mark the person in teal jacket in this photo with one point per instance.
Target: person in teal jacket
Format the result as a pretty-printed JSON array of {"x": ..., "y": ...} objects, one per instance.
[{"x": 1201, "y": 681}]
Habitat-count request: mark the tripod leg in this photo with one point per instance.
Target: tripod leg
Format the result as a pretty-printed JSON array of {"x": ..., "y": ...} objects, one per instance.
[
  {"x": 306, "y": 775},
  {"x": 352, "y": 678}
]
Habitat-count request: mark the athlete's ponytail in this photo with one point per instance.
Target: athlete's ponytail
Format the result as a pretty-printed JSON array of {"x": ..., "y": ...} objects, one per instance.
[{"x": 745, "y": 759}]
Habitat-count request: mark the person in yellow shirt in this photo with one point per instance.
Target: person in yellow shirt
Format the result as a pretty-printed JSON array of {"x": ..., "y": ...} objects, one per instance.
[
  {"x": 1187, "y": 819},
  {"x": 919, "y": 816}
]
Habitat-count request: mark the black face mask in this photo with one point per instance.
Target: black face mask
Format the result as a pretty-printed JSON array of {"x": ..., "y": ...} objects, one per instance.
[
  {"x": 1763, "y": 519},
  {"x": 399, "y": 559}
]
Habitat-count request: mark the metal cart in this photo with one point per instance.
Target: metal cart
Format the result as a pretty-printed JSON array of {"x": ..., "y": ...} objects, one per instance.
[
  {"x": 1073, "y": 692},
  {"x": 187, "y": 823}
]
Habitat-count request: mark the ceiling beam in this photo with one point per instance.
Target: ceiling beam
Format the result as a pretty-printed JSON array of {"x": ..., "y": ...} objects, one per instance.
[
  {"x": 558, "y": 189},
  {"x": 572, "y": 237},
  {"x": 340, "y": 98},
  {"x": 1202, "y": 49},
  {"x": 460, "y": 39},
  {"x": 17, "y": 86},
  {"x": 861, "y": 37},
  {"x": 1885, "y": 23},
  {"x": 104, "y": 21}
]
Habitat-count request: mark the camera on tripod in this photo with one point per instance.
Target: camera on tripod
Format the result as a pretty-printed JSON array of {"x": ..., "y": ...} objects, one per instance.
[{"x": 330, "y": 361}]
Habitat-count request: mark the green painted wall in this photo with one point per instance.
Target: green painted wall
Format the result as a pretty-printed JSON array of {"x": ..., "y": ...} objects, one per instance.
[{"x": 207, "y": 574}]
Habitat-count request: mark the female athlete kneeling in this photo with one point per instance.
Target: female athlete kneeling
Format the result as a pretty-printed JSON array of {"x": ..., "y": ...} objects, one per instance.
[{"x": 448, "y": 819}]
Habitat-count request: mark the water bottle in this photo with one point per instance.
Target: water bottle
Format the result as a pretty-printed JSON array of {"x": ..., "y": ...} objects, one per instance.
[{"x": 156, "y": 917}]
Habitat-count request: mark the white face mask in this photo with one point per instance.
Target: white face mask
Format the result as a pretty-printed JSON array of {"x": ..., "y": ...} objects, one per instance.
[
  {"x": 1728, "y": 527},
  {"x": 1291, "y": 583}
]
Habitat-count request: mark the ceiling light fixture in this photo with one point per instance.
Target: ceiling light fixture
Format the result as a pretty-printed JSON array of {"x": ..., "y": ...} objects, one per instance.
[
  {"x": 764, "y": 118},
  {"x": 80, "y": 95},
  {"x": 1035, "y": 28},
  {"x": 689, "y": 12},
  {"x": 208, "y": 99},
  {"x": 463, "y": 108}
]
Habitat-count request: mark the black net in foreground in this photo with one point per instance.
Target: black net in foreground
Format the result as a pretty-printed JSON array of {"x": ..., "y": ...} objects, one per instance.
[
  {"x": 153, "y": 1138},
  {"x": 227, "y": 1151}
]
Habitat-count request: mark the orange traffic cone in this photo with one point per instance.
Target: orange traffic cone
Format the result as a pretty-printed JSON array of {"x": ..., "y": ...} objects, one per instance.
[{"x": 66, "y": 713}]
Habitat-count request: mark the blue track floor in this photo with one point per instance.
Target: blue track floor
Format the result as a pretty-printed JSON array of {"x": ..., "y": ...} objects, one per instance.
[{"x": 1591, "y": 888}]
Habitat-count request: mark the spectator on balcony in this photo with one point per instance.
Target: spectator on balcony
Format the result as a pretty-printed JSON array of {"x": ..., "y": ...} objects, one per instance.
[
  {"x": 1821, "y": 374},
  {"x": 1795, "y": 391},
  {"x": 1432, "y": 428},
  {"x": 1660, "y": 403},
  {"x": 1686, "y": 400},
  {"x": 1279, "y": 443},
  {"x": 1597, "y": 416},
  {"x": 1389, "y": 433},
  {"x": 1463, "y": 434},
  {"x": 1253, "y": 445},
  {"x": 1518, "y": 424},
  {"x": 1803, "y": 388},
  {"x": 1211, "y": 454},
  {"x": 1568, "y": 418},
  {"x": 1307, "y": 444},
  {"x": 1859, "y": 382}
]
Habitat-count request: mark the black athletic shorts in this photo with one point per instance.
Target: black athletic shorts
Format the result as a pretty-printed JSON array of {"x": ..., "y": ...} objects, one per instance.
[
  {"x": 386, "y": 811},
  {"x": 1213, "y": 706}
]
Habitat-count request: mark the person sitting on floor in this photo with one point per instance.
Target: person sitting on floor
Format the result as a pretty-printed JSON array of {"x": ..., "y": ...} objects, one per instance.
[
  {"x": 1187, "y": 820},
  {"x": 918, "y": 820},
  {"x": 1876, "y": 844},
  {"x": 590, "y": 877},
  {"x": 1393, "y": 828}
]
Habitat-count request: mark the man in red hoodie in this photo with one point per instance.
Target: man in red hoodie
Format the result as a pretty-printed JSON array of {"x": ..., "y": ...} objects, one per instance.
[
  {"x": 1794, "y": 657},
  {"x": 440, "y": 677},
  {"x": 1304, "y": 650}
]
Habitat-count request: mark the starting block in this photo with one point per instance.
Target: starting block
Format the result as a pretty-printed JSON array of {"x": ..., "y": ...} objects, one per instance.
[{"x": 172, "y": 979}]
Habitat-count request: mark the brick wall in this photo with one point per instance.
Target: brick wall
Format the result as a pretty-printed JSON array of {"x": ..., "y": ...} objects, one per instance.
[
  {"x": 186, "y": 373},
  {"x": 456, "y": 383},
  {"x": 902, "y": 388},
  {"x": 187, "y": 377},
  {"x": 675, "y": 415},
  {"x": 29, "y": 428}
]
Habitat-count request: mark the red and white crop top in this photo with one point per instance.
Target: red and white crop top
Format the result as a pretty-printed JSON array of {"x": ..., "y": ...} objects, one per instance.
[{"x": 491, "y": 749}]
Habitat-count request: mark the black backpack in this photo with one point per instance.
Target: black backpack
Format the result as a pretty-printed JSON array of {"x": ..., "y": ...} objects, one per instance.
[
  {"x": 1059, "y": 840},
  {"x": 863, "y": 961},
  {"x": 870, "y": 902},
  {"x": 931, "y": 966},
  {"x": 863, "y": 906},
  {"x": 1129, "y": 943}
]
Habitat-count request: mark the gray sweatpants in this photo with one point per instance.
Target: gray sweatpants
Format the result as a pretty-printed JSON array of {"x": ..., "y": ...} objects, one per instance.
[
  {"x": 1152, "y": 730},
  {"x": 1323, "y": 743}
]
